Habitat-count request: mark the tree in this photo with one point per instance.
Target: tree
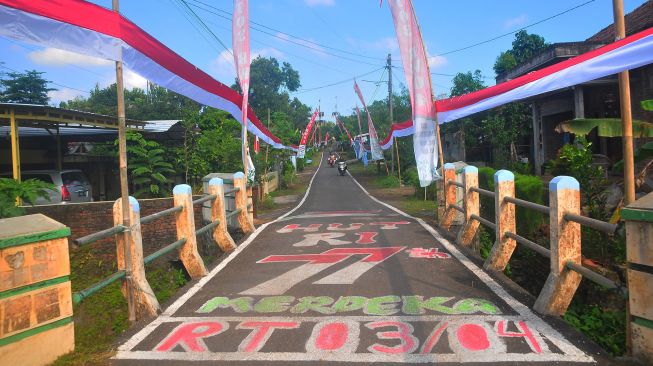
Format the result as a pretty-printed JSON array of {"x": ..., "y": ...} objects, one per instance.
[
  {"x": 524, "y": 47},
  {"x": 148, "y": 166},
  {"x": 464, "y": 83},
  {"x": 28, "y": 87}
]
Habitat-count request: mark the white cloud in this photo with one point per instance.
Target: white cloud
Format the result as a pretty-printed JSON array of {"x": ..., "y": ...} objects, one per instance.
[
  {"x": 133, "y": 80},
  {"x": 437, "y": 61},
  {"x": 320, "y": 2},
  {"x": 223, "y": 69},
  {"x": 515, "y": 22},
  {"x": 63, "y": 95},
  {"x": 56, "y": 57}
]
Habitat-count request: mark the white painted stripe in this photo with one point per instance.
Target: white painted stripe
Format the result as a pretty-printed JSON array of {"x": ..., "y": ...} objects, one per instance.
[
  {"x": 282, "y": 283},
  {"x": 358, "y": 318},
  {"x": 520, "y": 308},
  {"x": 138, "y": 337},
  {"x": 484, "y": 357}
]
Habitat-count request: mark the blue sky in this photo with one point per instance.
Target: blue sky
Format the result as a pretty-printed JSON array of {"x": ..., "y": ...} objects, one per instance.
[{"x": 350, "y": 38}]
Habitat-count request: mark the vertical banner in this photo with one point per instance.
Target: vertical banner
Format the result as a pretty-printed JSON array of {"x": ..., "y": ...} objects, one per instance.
[
  {"x": 302, "y": 144},
  {"x": 414, "y": 58},
  {"x": 340, "y": 124},
  {"x": 326, "y": 139},
  {"x": 240, "y": 42},
  {"x": 358, "y": 116},
  {"x": 257, "y": 145},
  {"x": 375, "y": 148}
]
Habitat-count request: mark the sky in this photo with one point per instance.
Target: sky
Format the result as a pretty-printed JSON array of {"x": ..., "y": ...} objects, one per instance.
[{"x": 329, "y": 42}]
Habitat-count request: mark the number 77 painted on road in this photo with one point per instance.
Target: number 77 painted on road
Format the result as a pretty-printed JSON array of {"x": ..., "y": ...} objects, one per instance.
[{"x": 318, "y": 263}]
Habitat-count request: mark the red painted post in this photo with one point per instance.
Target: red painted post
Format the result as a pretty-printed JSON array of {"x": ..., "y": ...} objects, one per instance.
[
  {"x": 244, "y": 218},
  {"x": 185, "y": 223},
  {"x": 449, "y": 196},
  {"x": 504, "y": 186},
  {"x": 471, "y": 206},
  {"x": 220, "y": 233}
]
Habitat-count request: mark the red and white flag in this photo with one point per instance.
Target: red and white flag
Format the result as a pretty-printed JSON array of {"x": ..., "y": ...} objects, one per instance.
[
  {"x": 302, "y": 143},
  {"x": 240, "y": 41},
  {"x": 375, "y": 148},
  {"x": 257, "y": 145},
  {"x": 415, "y": 60}
]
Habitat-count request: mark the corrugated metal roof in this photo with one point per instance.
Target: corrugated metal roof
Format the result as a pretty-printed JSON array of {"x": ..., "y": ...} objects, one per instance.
[
  {"x": 5, "y": 131},
  {"x": 160, "y": 125}
]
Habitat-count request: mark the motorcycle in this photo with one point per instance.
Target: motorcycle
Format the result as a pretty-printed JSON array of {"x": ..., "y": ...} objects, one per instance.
[
  {"x": 342, "y": 167},
  {"x": 332, "y": 160}
]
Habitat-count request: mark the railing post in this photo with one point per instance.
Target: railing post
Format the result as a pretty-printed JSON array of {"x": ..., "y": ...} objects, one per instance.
[
  {"x": 449, "y": 196},
  {"x": 639, "y": 253},
  {"x": 220, "y": 233},
  {"x": 244, "y": 219},
  {"x": 144, "y": 298},
  {"x": 185, "y": 223},
  {"x": 471, "y": 205},
  {"x": 250, "y": 201},
  {"x": 560, "y": 286},
  {"x": 504, "y": 186}
]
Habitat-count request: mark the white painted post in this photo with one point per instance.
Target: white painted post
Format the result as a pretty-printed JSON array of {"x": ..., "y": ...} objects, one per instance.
[
  {"x": 471, "y": 206},
  {"x": 144, "y": 299},
  {"x": 220, "y": 233},
  {"x": 504, "y": 186},
  {"x": 244, "y": 219},
  {"x": 250, "y": 201},
  {"x": 185, "y": 223},
  {"x": 560, "y": 286},
  {"x": 449, "y": 196}
]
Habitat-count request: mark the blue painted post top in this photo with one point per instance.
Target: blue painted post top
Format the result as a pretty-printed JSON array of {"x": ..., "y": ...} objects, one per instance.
[
  {"x": 239, "y": 175},
  {"x": 564, "y": 182},
  {"x": 216, "y": 182},
  {"x": 470, "y": 169},
  {"x": 449, "y": 166},
  {"x": 503, "y": 176},
  {"x": 133, "y": 202},
  {"x": 182, "y": 189}
]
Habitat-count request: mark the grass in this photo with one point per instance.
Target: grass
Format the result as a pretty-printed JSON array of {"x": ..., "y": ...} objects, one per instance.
[
  {"x": 102, "y": 317},
  {"x": 417, "y": 206}
]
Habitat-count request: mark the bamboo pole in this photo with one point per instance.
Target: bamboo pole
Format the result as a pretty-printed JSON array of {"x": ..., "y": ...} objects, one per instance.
[
  {"x": 124, "y": 189},
  {"x": 15, "y": 150},
  {"x": 396, "y": 143},
  {"x": 626, "y": 113}
]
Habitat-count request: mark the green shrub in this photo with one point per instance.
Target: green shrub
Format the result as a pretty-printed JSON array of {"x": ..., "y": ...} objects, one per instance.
[
  {"x": 486, "y": 181},
  {"x": 388, "y": 181},
  {"x": 607, "y": 328},
  {"x": 300, "y": 165},
  {"x": 266, "y": 203},
  {"x": 28, "y": 191},
  {"x": 411, "y": 177},
  {"x": 529, "y": 188}
]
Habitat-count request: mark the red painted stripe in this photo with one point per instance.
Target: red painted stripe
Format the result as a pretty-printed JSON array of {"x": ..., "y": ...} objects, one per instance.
[
  {"x": 96, "y": 18},
  {"x": 396, "y": 127}
]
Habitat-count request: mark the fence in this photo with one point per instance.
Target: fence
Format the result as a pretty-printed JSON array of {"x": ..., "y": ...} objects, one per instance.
[
  {"x": 129, "y": 249},
  {"x": 565, "y": 223}
]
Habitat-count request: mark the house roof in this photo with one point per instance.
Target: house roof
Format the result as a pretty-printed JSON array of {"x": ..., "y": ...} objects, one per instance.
[{"x": 636, "y": 21}]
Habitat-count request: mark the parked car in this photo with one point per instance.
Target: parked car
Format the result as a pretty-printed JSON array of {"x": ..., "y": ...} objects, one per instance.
[{"x": 72, "y": 185}]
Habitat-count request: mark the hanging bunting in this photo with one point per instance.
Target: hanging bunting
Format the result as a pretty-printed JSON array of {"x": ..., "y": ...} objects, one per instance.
[
  {"x": 240, "y": 41},
  {"x": 415, "y": 61},
  {"x": 375, "y": 148},
  {"x": 257, "y": 145},
  {"x": 302, "y": 144}
]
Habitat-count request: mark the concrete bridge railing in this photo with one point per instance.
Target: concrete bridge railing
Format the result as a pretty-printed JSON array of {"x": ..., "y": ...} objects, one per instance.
[{"x": 565, "y": 220}]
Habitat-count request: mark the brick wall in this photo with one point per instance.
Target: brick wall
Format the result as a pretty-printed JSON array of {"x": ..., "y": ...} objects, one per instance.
[{"x": 88, "y": 218}]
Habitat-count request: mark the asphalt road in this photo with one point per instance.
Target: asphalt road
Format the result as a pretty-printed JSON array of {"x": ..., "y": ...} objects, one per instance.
[{"x": 344, "y": 278}]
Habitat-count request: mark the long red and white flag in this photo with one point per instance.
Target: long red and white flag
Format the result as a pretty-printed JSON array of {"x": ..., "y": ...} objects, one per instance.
[
  {"x": 304, "y": 140},
  {"x": 415, "y": 60},
  {"x": 375, "y": 148},
  {"x": 351, "y": 140},
  {"x": 89, "y": 29},
  {"x": 240, "y": 42}
]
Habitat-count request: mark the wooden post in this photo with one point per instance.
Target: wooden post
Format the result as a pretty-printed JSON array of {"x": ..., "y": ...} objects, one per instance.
[
  {"x": 639, "y": 253},
  {"x": 122, "y": 164},
  {"x": 185, "y": 223},
  {"x": 15, "y": 149},
  {"x": 250, "y": 201},
  {"x": 131, "y": 245},
  {"x": 449, "y": 196},
  {"x": 220, "y": 233},
  {"x": 626, "y": 113},
  {"x": 504, "y": 186},
  {"x": 244, "y": 219},
  {"x": 560, "y": 286},
  {"x": 471, "y": 205}
]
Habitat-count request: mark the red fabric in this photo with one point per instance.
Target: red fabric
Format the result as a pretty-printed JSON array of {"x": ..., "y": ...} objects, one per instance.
[
  {"x": 96, "y": 18},
  {"x": 396, "y": 127}
]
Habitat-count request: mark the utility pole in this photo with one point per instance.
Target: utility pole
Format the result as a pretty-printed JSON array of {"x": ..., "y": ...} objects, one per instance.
[
  {"x": 392, "y": 151},
  {"x": 626, "y": 114},
  {"x": 124, "y": 189}
]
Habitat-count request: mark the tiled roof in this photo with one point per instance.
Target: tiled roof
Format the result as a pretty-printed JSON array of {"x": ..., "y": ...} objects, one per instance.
[{"x": 636, "y": 21}]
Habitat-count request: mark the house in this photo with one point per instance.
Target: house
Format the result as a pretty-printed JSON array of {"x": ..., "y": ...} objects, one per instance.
[{"x": 594, "y": 99}]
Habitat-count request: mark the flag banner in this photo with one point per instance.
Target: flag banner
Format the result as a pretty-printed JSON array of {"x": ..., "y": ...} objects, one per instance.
[
  {"x": 257, "y": 145},
  {"x": 414, "y": 58},
  {"x": 302, "y": 143},
  {"x": 339, "y": 123},
  {"x": 375, "y": 148},
  {"x": 629, "y": 53},
  {"x": 326, "y": 139},
  {"x": 85, "y": 28},
  {"x": 240, "y": 42},
  {"x": 358, "y": 116}
]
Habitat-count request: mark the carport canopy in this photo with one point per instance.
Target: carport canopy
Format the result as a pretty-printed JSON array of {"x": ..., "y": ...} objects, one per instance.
[{"x": 53, "y": 120}]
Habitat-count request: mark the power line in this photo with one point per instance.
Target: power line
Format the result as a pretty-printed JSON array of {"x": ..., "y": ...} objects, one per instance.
[
  {"x": 336, "y": 83},
  {"x": 205, "y": 26},
  {"x": 287, "y": 37},
  {"x": 184, "y": 12},
  {"x": 515, "y": 31}
]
